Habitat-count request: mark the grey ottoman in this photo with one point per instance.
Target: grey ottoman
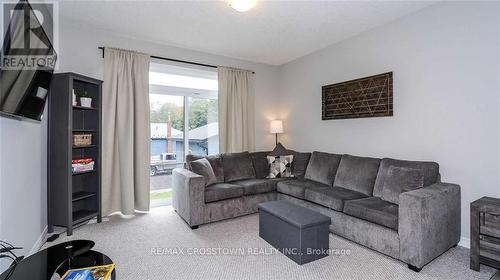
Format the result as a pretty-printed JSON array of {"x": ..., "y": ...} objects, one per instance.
[{"x": 299, "y": 233}]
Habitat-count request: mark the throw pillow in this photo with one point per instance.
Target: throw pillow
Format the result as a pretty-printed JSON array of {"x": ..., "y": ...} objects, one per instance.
[
  {"x": 300, "y": 160},
  {"x": 280, "y": 166},
  {"x": 399, "y": 180},
  {"x": 215, "y": 162},
  {"x": 202, "y": 167},
  {"x": 279, "y": 150}
]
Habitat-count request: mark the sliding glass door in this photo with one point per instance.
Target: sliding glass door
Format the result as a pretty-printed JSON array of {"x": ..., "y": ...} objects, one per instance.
[
  {"x": 184, "y": 121},
  {"x": 167, "y": 125}
]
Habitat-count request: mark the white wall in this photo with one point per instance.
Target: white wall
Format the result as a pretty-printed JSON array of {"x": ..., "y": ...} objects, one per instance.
[
  {"x": 445, "y": 60},
  {"x": 78, "y": 53},
  {"x": 23, "y": 183}
]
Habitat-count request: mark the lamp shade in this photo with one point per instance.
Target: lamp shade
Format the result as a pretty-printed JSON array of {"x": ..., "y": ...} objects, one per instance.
[{"x": 276, "y": 126}]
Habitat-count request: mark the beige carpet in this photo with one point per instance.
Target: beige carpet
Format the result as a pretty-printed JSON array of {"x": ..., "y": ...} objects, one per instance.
[{"x": 131, "y": 242}]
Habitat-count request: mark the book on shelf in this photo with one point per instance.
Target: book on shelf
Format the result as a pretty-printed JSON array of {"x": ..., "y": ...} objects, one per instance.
[
  {"x": 101, "y": 272},
  {"x": 82, "y": 165}
]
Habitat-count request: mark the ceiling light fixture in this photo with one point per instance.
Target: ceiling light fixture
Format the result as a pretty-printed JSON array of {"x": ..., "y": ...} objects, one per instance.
[{"x": 242, "y": 5}]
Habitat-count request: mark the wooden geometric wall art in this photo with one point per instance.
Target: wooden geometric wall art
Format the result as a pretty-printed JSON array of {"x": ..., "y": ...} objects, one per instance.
[{"x": 361, "y": 98}]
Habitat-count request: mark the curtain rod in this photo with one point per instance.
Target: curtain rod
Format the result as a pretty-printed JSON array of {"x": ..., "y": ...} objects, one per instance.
[{"x": 175, "y": 60}]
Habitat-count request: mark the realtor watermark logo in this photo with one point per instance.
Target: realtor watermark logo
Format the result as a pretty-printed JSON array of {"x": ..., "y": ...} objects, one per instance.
[
  {"x": 245, "y": 251},
  {"x": 31, "y": 35}
]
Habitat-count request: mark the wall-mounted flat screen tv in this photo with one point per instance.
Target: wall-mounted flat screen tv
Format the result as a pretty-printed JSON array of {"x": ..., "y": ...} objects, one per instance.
[{"x": 27, "y": 64}]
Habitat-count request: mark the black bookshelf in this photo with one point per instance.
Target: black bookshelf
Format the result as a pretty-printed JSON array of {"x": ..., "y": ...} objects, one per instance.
[{"x": 73, "y": 198}]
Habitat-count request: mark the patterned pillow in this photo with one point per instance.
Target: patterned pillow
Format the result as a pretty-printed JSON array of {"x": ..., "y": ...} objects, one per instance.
[{"x": 280, "y": 166}]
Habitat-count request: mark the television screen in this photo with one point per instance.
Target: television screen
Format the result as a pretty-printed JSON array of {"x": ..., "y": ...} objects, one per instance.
[{"x": 27, "y": 63}]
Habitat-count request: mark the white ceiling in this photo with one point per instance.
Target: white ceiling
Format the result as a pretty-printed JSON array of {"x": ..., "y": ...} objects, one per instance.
[{"x": 273, "y": 32}]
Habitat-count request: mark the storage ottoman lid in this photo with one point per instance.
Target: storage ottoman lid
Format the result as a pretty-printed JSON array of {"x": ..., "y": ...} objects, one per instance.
[{"x": 296, "y": 215}]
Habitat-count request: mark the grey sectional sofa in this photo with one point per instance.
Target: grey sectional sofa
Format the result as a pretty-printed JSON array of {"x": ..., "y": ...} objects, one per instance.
[{"x": 423, "y": 224}]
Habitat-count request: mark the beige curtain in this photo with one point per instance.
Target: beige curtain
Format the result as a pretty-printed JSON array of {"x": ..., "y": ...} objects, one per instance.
[
  {"x": 236, "y": 110},
  {"x": 125, "y": 117}
]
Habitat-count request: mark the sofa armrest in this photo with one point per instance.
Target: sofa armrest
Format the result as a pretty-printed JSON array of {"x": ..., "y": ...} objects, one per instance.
[
  {"x": 188, "y": 195},
  {"x": 429, "y": 222}
]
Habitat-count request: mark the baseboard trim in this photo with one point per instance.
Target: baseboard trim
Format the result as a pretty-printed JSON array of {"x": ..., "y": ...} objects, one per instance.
[
  {"x": 464, "y": 242},
  {"x": 39, "y": 242}
]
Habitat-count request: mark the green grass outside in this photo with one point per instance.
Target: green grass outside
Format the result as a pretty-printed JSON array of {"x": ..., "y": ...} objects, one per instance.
[{"x": 161, "y": 195}]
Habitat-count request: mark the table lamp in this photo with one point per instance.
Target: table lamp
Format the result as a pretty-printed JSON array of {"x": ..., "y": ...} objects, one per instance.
[{"x": 276, "y": 127}]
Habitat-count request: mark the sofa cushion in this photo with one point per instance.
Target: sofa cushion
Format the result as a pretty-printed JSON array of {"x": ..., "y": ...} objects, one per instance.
[
  {"x": 237, "y": 166},
  {"x": 322, "y": 167},
  {"x": 256, "y": 186},
  {"x": 357, "y": 173},
  {"x": 300, "y": 162},
  {"x": 222, "y": 191},
  {"x": 375, "y": 210},
  {"x": 399, "y": 180},
  {"x": 331, "y": 197},
  {"x": 260, "y": 164},
  {"x": 215, "y": 162},
  {"x": 202, "y": 167},
  {"x": 280, "y": 166},
  {"x": 297, "y": 187},
  {"x": 428, "y": 168}
]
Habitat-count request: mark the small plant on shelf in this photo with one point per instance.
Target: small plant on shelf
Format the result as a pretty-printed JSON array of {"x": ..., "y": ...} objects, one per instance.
[{"x": 85, "y": 99}]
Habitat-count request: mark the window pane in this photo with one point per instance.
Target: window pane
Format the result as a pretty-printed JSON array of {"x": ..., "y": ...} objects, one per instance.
[
  {"x": 167, "y": 138},
  {"x": 203, "y": 126}
]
